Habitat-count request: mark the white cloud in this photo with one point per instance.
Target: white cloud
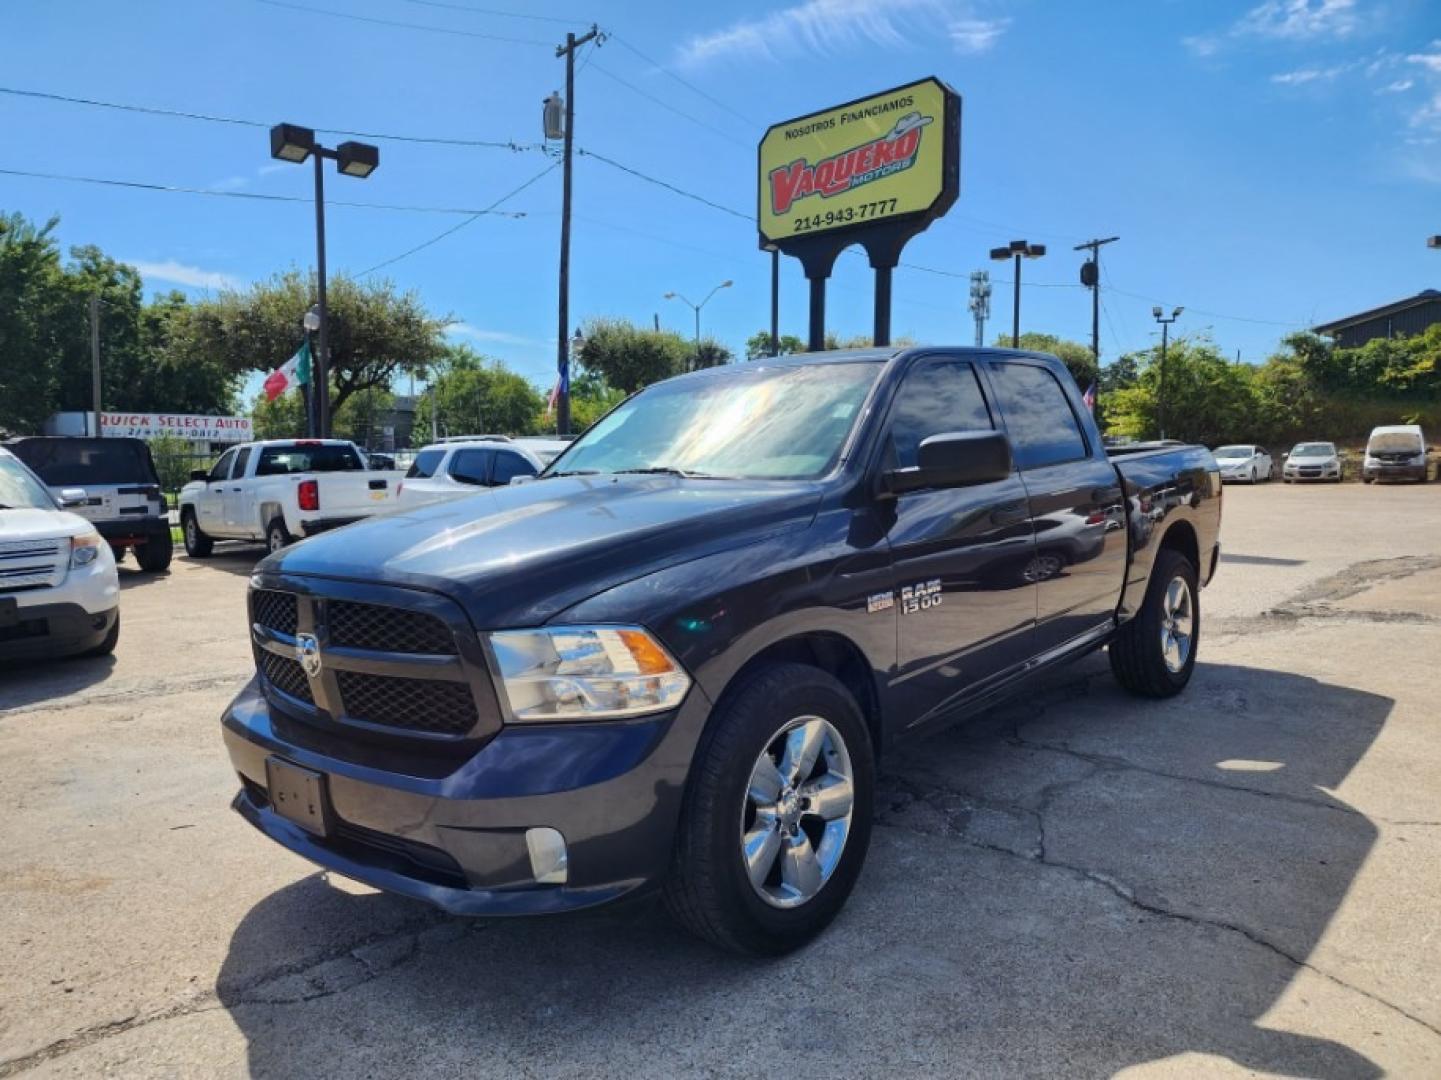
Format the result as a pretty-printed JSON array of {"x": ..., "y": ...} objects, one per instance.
[
  {"x": 231, "y": 183},
  {"x": 1301, "y": 76},
  {"x": 826, "y": 27},
  {"x": 1400, "y": 86},
  {"x": 1427, "y": 116},
  {"x": 178, "y": 273},
  {"x": 1283, "y": 20},
  {"x": 1431, "y": 61},
  {"x": 498, "y": 337}
]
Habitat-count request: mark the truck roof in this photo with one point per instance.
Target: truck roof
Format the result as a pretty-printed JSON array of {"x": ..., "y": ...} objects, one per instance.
[{"x": 873, "y": 354}]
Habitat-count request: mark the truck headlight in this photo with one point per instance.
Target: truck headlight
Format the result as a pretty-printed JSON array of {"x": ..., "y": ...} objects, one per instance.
[
  {"x": 84, "y": 549},
  {"x": 586, "y": 673}
]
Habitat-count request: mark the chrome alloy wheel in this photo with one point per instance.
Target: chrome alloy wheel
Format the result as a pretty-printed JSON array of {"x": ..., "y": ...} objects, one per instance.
[
  {"x": 1177, "y": 624},
  {"x": 796, "y": 814}
]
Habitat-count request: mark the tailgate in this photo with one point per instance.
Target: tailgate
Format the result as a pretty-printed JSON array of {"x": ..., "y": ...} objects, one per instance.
[{"x": 355, "y": 494}]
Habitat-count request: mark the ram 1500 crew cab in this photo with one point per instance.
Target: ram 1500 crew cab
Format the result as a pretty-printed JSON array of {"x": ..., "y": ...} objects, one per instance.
[
  {"x": 280, "y": 491},
  {"x": 673, "y": 660}
]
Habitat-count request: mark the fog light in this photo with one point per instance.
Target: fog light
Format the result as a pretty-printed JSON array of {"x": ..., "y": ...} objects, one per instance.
[{"x": 548, "y": 857}]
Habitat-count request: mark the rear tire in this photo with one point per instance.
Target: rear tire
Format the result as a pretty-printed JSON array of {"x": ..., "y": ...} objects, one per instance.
[
  {"x": 1154, "y": 654},
  {"x": 752, "y": 801},
  {"x": 155, "y": 554},
  {"x": 277, "y": 536},
  {"x": 197, "y": 544}
]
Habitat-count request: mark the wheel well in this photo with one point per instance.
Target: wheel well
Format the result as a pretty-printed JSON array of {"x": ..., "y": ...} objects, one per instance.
[
  {"x": 1181, "y": 537},
  {"x": 268, "y": 513},
  {"x": 835, "y": 655}
]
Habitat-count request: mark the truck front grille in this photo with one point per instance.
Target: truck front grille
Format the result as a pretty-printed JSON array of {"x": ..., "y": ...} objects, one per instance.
[
  {"x": 32, "y": 564},
  {"x": 397, "y": 660}
]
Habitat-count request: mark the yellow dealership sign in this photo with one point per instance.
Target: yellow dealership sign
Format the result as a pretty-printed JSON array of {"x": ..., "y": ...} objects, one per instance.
[{"x": 890, "y": 155}]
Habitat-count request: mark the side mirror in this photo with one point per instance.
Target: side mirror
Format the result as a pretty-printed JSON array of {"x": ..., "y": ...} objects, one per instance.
[
  {"x": 954, "y": 459},
  {"x": 73, "y": 496},
  {"x": 199, "y": 474},
  {"x": 528, "y": 479},
  {"x": 1286, "y": 455}
]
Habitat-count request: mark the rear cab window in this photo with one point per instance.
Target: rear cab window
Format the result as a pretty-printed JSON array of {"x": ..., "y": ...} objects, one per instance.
[
  {"x": 1039, "y": 419},
  {"x": 77, "y": 462},
  {"x": 302, "y": 458}
]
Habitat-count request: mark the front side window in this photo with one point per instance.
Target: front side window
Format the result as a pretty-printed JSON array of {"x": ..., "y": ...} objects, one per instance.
[
  {"x": 936, "y": 398},
  {"x": 471, "y": 466},
  {"x": 508, "y": 466},
  {"x": 222, "y": 467},
  {"x": 1039, "y": 419},
  {"x": 746, "y": 421}
]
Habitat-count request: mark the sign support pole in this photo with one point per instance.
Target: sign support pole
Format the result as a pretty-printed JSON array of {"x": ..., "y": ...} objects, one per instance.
[
  {"x": 817, "y": 341},
  {"x": 882, "y": 335}
]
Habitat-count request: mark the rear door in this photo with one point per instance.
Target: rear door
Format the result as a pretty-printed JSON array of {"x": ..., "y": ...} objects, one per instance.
[
  {"x": 1075, "y": 501},
  {"x": 472, "y": 467},
  {"x": 966, "y": 609}
]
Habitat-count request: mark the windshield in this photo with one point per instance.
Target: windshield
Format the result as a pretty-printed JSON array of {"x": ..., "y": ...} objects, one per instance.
[
  {"x": 1233, "y": 451},
  {"x": 19, "y": 490},
  {"x": 760, "y": 423},
  {"x": 1394, "y": 442},
  {"x": 1313, "y": 449},
  {"x": 76, "y": 462}
]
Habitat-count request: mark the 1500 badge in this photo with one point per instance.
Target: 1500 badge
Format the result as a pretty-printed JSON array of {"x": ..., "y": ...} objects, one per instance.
[{"x": 920, "y": 597}]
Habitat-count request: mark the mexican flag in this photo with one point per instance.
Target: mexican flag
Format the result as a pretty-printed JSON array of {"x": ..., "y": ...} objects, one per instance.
[{"x": 294, "y": 372}]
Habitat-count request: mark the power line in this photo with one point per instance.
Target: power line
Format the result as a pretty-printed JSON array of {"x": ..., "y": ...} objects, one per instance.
[
  {"x": 491, "y": 209},
  {"x": 667, "y": 106},
  {"x": 662, "y": 183},
  {"x": 494, "y": 11},
  {"x": 692, "y": 87},
  {"x": 403, "y": 25},
  {"x": 254, "y": 195},
  {"x": 242, "y": 122}
]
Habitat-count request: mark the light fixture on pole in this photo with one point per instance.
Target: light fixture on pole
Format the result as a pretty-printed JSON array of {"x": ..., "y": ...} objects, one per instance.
[
  {"x": 696, "y": 308},
  {"x": 1433, "y": 241},
  {"x": 293, "y": 143},
  {"x": 1017, "y": 250},
  {"x": 1159, "y": 315}
]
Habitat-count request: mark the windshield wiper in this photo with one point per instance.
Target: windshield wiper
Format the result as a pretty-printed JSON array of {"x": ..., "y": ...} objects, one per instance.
[
  {"x": 570, "y": 472},
  {"x": 671, "y": 470}
]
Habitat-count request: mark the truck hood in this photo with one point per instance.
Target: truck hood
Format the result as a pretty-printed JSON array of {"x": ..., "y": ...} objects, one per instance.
[
  {"x": 515, "y": 556},
  {"x": 1310, "y": 459}
]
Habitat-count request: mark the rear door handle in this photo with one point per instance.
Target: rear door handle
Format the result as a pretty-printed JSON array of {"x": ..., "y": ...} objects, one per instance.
[
  {"x": 1010, "y": 514},
  {"x": 377, "y": 485}
]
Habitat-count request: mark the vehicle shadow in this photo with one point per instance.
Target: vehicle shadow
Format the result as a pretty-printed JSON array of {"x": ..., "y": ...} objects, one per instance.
[
  {"x": 232, "y": 558},
  {"x": 1070, "y": 885},
  {"x": 24, "y": 683}
]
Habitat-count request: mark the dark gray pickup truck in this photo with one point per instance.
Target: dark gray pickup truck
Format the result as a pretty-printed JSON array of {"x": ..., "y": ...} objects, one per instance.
[{"x": 672, "y": 662}]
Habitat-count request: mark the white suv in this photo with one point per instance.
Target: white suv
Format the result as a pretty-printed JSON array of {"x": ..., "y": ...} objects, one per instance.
[
  {"x": 457, "y": 468},
  {"x": 59, "y": 592}
]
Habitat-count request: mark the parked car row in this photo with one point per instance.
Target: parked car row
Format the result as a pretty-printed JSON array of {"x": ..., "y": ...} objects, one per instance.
[{"x": 1393, "y": 452}]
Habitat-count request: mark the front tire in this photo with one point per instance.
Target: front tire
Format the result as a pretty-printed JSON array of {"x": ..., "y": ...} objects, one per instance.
[
  {"x": 155, "y": 554},
  {"x": 774, "y": 832},
  {"x": 1154, "y": 654},
  {"x": 197, "y": 544}
]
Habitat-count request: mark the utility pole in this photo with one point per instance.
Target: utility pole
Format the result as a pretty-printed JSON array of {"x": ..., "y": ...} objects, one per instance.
[
  {"x": 1091, "y": 278},
  {"x": 95, "y": 359},
  {"x": 1157, "y": 314},
  {"x": 568, "y": 50},
  {"x": 980, "y": 304}
]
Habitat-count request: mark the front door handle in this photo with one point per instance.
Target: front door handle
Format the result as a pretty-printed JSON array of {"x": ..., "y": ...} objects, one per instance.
[{"x": 1010, "y": 514}]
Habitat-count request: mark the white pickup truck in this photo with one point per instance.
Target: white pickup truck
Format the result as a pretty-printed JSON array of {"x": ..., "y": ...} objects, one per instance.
[{"x": 279, "y": 491}]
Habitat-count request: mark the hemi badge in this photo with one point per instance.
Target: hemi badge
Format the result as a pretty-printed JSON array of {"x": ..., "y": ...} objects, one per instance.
[{"x": 880, "y": 601}]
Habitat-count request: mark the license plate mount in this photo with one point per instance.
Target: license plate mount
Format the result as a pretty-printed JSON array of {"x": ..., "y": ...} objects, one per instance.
[{"x": 298, "y": 795}]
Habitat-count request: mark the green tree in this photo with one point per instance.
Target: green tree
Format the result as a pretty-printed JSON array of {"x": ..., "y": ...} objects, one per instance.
[
  {"x": 1077, "y": 357},
  {"x": 710, "y": 353},
  {"x": 376, "y": 333},
  {"x": 33, "y": 302},
  {"x": 758, "y": 345},
  {"x": 1209, "y": 399},
  {"x": 628, "y": 357},
  {"x": 590, "y": 399},
  {"x": 475, "y": 394},
  {"x": 175, "y": 459}
]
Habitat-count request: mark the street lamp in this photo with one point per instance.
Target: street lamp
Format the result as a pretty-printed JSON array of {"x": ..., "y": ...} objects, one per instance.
[
  {"x": 1159, "y": 316},
  {"x": 696, "y": 308},
  {"x": 1017, "y": 250},
  {"x": 310, "y": 323},
  {"x": 1433, "y": 241},
  {"x": 293, "y": 143}
]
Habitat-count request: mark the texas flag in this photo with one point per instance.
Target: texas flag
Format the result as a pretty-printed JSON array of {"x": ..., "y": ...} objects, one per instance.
[
  {"x": 1089, "y": 397},
  {"x": 294, "y": 372}
]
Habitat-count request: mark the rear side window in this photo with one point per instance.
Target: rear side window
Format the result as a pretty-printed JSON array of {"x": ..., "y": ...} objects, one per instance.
[
  {"x": 508, "y": 465},
  {"x": 471, "y": 466},
  {"x": 241, "y": 459},
  {"x": 425, "y": 464},
  {"x": 1039, "y": 419},
  {"x": 937, "y": 397}
]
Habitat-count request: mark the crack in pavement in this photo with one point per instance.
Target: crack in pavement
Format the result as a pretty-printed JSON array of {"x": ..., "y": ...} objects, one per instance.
[{"x": 369, "y": 954}]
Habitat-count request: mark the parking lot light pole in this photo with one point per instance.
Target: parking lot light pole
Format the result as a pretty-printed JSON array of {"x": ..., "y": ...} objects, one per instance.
[
  {"x": 1158, "y": 315},
  {"x": 293, "y": 143},
  {"x": 696, "y": 308},
  {"x": 1017, "y": 250}
]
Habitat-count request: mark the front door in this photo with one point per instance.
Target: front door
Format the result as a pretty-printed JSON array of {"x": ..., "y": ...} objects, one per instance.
[
  {"x": 1075, "y": 501},
  {"x": 965, "y": 606},
  {"x": 210, "y": 504},
  {"x": 236, "y": 501}
]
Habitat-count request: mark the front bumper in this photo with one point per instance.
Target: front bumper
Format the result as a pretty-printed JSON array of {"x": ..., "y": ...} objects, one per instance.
[
  {"x": 1393, "y": 472},
  {"x": 1312, "y": 472},
  {"x": 55, "y": 630},
  {"x": 453, "y": 833}
]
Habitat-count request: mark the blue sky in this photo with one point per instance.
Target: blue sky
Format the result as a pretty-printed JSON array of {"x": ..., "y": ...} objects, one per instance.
[{"x": 1267, "y": 165}]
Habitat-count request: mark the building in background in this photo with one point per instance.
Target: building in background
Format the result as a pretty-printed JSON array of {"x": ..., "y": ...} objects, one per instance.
[{"x": 1404, "y": 318}]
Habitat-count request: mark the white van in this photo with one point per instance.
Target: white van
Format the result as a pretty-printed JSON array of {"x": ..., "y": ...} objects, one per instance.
[{"x": 1395, "y": 452}]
